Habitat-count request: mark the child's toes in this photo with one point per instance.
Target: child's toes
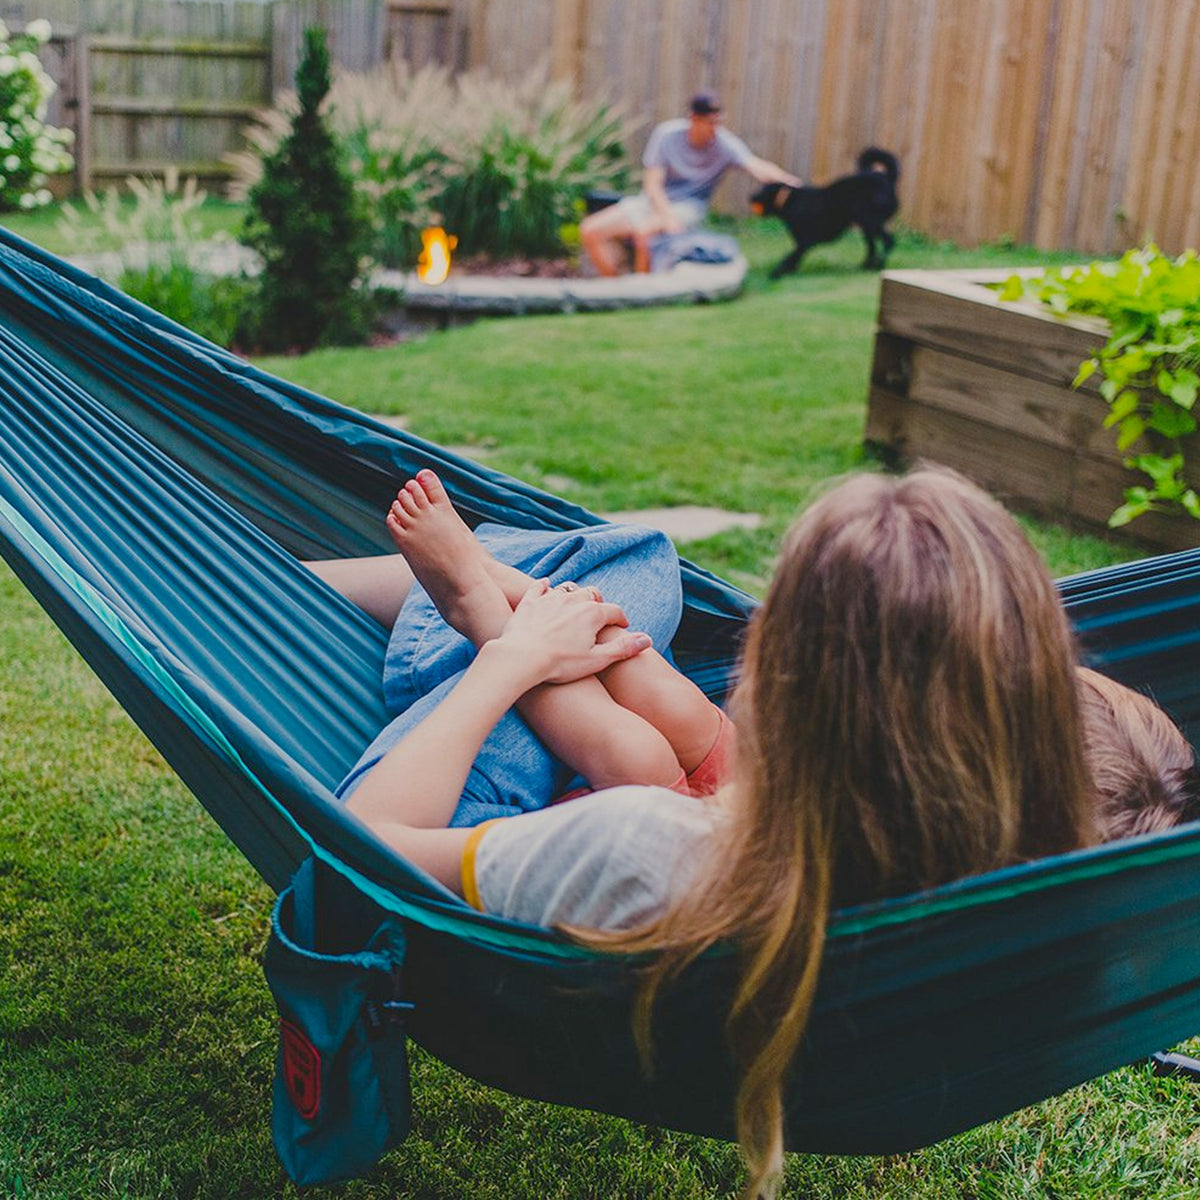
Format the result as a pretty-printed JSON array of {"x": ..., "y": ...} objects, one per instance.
[
  {"x": 416, "y": 493},
  {"x": 432, "y": 487}
]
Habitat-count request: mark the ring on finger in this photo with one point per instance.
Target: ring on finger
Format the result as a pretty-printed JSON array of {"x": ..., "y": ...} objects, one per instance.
[{"x": 568, "y": 586}]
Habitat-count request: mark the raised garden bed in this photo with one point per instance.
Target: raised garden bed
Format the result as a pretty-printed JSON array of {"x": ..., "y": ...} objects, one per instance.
[{"x": 984, "y": 386}]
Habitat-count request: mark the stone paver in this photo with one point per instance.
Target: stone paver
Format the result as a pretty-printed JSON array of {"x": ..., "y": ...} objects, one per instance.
[{"x": 687, "y": 522}]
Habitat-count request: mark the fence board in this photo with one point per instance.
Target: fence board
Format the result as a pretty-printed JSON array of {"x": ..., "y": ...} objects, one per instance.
[
  {"x": 356, "y": 33},
  {"x": 1144, "y": 190},
  {"x": 1175, "y": 164},
  {"x": 1115, "y": 30},
  {"x": 421, "y": 33}
]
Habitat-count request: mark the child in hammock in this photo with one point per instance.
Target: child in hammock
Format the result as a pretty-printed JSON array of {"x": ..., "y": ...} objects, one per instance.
[
  {"x": 642, "y": 721},
  {"x": 639, "y": 721}
]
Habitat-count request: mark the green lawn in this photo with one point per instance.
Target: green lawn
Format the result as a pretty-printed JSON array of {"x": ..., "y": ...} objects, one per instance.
[
  {"x": 136, "y": 1032},
  {"x": 44, "y": 226}
]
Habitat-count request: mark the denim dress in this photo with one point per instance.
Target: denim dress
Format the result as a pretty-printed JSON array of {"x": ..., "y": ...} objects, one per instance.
[{"x": 633, "y": 566}]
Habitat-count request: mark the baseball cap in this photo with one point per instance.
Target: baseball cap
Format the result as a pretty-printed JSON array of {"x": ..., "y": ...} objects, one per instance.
[{"x": 704, "y": 103}]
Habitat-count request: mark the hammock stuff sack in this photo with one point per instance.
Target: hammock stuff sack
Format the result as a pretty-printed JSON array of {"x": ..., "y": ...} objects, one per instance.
[{"x": 204, "y": 480}]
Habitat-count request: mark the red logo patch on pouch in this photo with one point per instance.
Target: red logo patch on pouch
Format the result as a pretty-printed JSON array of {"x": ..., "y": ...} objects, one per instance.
[{"x": 301, "y": 1070}]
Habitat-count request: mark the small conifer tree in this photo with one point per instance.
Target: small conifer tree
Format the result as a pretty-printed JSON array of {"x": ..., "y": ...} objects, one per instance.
[{"x": 307, "y": 224}]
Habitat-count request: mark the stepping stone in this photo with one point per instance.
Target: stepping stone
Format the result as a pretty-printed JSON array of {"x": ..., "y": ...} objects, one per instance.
[{"x": 687, "y": 522}]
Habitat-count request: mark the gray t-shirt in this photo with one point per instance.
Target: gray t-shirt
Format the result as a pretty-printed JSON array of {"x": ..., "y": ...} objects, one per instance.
[
  {"x": 693, "y": 173},
  {"x": 611, "y": 860}
]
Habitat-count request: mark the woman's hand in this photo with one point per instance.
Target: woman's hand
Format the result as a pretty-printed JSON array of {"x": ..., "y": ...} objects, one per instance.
[{"x": 553, "y": 632}]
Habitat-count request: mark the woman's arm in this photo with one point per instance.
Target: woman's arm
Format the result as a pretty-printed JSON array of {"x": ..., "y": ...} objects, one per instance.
[{"x": 408, "y": 798}]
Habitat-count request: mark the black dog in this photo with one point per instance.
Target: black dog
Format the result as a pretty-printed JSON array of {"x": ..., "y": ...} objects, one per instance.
[{"x": 819, "y": 214}]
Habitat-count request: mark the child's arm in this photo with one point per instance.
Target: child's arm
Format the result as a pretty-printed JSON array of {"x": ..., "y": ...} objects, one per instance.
[{"x": 409, "y": 796}]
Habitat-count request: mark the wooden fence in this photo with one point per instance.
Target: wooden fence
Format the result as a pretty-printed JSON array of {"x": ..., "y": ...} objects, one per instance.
[
  {"x": 145, "y": 84},
  {"x": 1064, "y": 123}
]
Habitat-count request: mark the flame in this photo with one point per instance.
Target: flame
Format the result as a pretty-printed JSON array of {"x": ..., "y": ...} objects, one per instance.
[{"x": 433, "y": 265}]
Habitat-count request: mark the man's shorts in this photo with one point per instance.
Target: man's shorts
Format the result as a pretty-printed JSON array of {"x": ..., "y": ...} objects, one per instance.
[{"x": 638, "y": 211}]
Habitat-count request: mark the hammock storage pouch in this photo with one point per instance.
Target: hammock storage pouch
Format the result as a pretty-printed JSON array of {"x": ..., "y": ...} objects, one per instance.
[{"x": 334, "y": 964}]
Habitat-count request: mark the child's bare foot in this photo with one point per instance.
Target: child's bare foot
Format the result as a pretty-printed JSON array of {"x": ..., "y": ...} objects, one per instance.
[{"x": 447, "y": 558}]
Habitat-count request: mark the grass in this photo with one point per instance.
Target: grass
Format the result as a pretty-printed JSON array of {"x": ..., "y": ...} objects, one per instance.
[
  {"x": 747, "y": 406},
  {"x": 136, "y": 1033},
  {"x": 214, "y": 217}
]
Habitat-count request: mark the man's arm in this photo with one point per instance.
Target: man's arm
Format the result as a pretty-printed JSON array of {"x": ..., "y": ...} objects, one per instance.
[
  {"x": 654, "y": 184},
  {"x": 763, "y": 171}
]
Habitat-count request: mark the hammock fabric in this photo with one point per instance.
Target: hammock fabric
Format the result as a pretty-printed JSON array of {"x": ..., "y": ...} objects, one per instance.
[{"x": 155, "y": 493}]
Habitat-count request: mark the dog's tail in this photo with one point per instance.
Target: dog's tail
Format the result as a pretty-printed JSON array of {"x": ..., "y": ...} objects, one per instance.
[{"x": 875, "y": 159}]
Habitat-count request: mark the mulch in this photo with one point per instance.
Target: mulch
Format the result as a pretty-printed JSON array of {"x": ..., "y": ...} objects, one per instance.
[{"x": 521, "y": 268}]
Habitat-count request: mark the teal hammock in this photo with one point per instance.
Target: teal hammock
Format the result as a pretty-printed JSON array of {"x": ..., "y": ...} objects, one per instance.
[{"x": 156, "y": 494}]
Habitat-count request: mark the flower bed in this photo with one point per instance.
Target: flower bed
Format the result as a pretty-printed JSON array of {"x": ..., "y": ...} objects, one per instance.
[{"x": 985, "y": 386}]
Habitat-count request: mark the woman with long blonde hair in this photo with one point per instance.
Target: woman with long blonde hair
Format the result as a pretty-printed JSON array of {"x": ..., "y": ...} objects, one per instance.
[{"x": 907, "y": 714}]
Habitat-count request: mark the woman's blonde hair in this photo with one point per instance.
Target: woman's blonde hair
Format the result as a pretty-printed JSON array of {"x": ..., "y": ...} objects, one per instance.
[{"x": 907, "y": 715}]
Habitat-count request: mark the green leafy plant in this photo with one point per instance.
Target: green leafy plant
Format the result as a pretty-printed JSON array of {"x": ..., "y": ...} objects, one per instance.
[
  {"x": 30, "y": 150},
  {"x": 1150, "y": 364},
  {"x": 309, "y": 227},
  {"x": 522, "y": 158},
  {"x": 393, "y": 126},
  {"x": 157, "y": 262}
]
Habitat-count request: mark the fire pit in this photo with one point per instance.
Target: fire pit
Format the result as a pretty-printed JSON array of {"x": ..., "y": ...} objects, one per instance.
[
  {"x": 437, "y": 293},
  {"x": 479, "y": 295}
]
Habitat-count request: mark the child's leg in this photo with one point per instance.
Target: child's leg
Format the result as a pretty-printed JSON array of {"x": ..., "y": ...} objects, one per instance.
[
  {"x": 646, "y": 685},
  {"x": 665, "y": 697},
  {"x": 378, "y": 585},
  {"x": 579, "y": 722}
]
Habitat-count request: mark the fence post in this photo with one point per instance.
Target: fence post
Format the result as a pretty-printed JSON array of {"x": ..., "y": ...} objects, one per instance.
[
  {"x": 83, "y": 96},
  {"x": 569, "y": 21}
]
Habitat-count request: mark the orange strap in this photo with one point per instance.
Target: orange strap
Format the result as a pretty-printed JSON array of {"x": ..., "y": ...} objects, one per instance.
[{"x": 470, "y": 846}]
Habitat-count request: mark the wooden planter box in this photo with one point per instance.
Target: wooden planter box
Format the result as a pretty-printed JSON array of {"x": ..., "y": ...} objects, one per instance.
[{"x": 984, "y": 386}]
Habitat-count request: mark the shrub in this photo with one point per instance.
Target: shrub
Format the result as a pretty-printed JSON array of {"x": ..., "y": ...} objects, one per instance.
[
  {"x": 394, "y": 127},
  {"x": 388, "y": 122},
  {"x": 156, "y": 263},
  {"x": 522, "y": 159},
  {"x": 29, "y": 149},
  {"x": 307, "y": 224},
  {"x": 1150, "y": 364},
  {"x": 503, "y": 167}
]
